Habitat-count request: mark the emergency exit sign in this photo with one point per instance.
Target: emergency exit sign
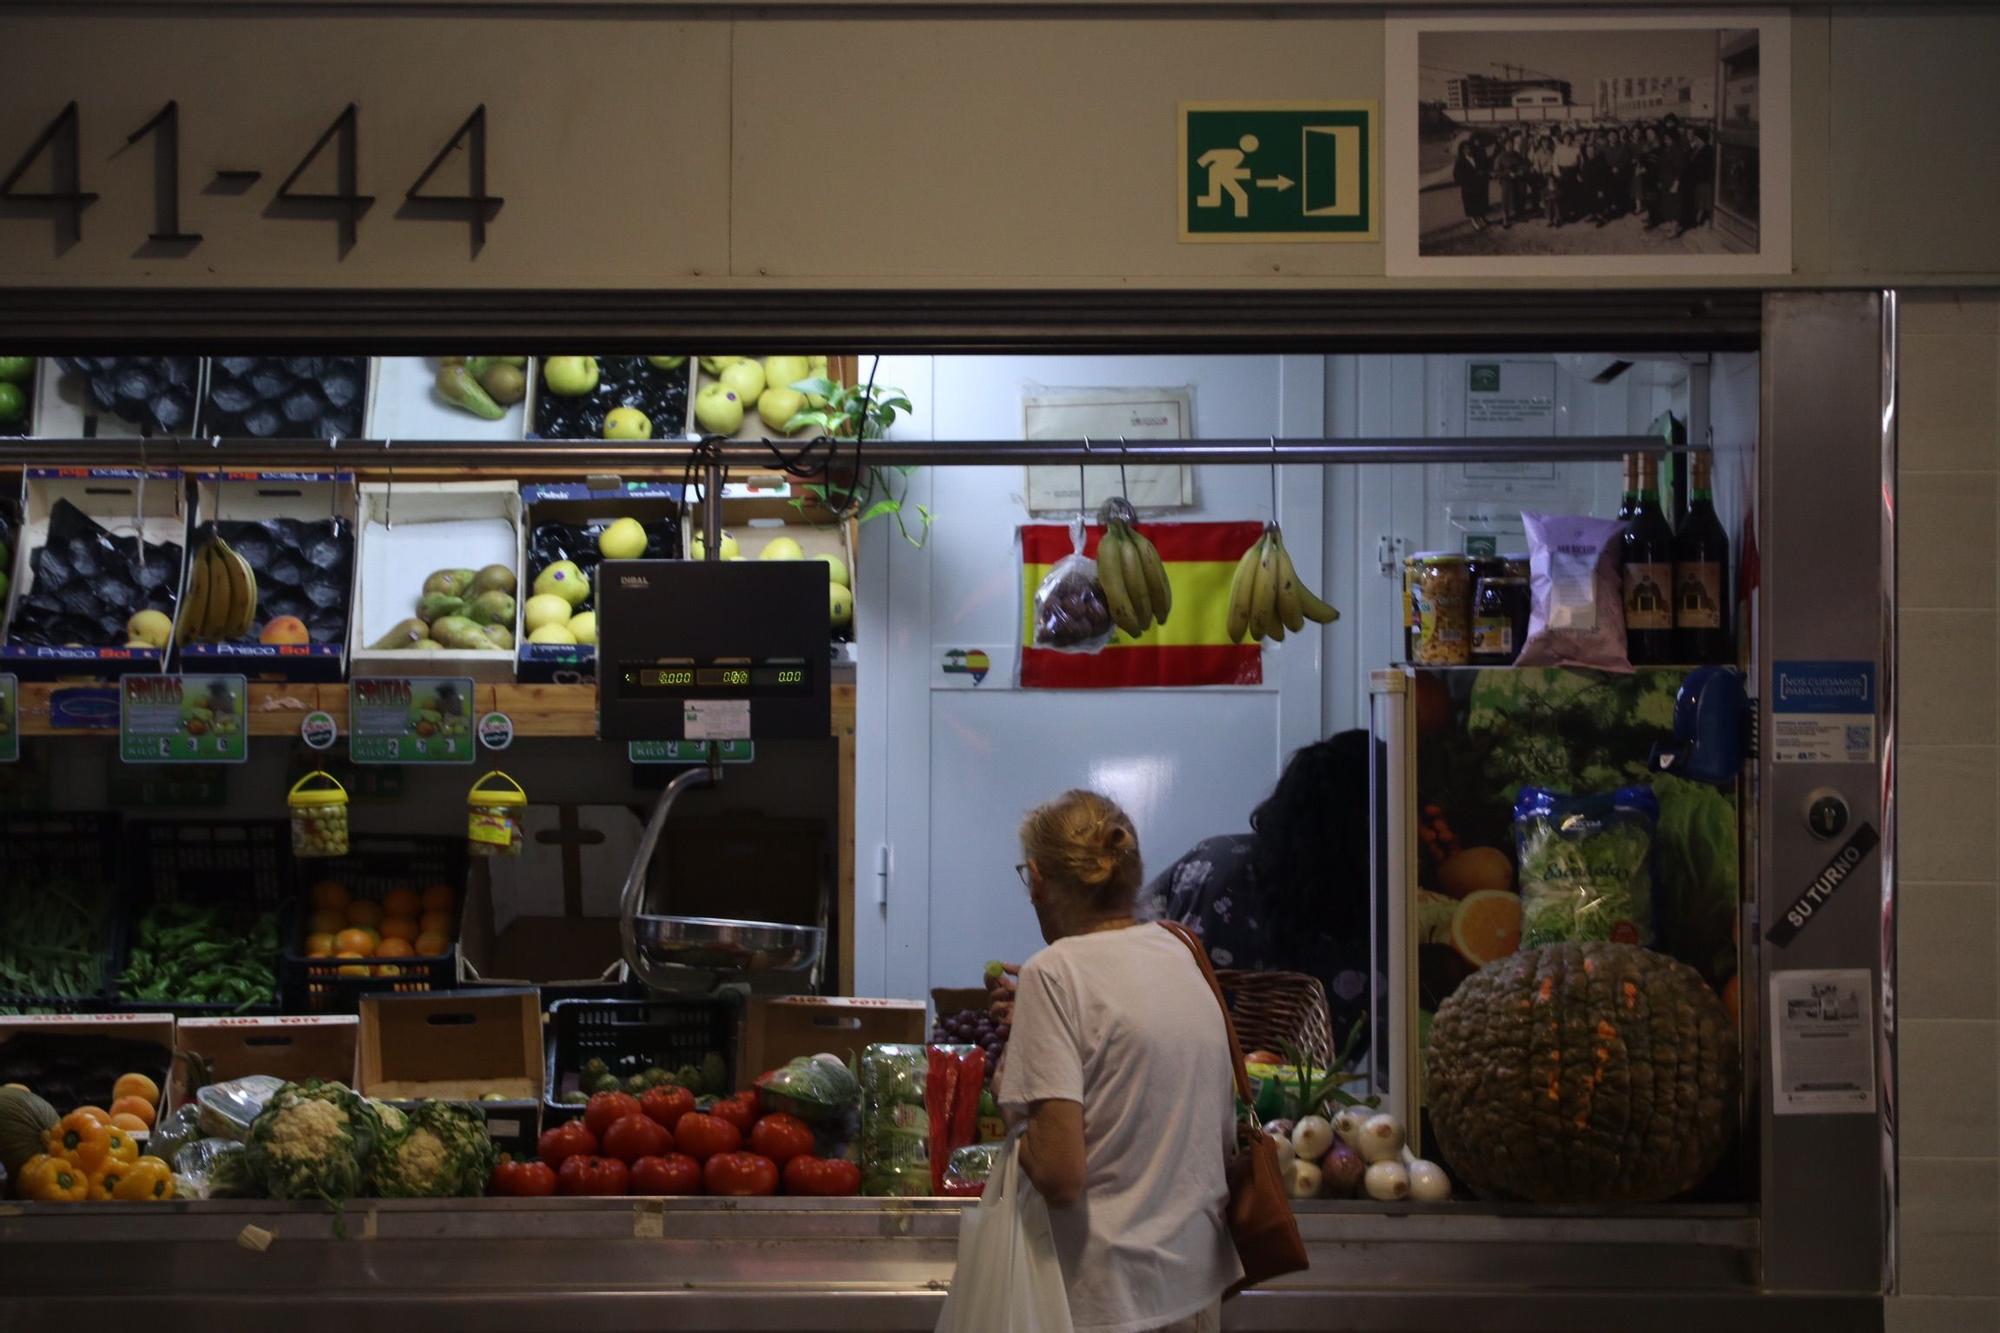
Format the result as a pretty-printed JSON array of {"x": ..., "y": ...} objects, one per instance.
[{"x": 1279, "y": 171}]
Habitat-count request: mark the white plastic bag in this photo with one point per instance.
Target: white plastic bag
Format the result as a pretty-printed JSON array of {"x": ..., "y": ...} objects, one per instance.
[
  {"x": 1008, "y": 1278},
  {"x": 1071, "y": 615}
]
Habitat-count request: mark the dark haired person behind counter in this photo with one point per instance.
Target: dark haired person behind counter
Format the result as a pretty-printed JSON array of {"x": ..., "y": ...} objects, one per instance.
[{"x": 1292, "y": 894}]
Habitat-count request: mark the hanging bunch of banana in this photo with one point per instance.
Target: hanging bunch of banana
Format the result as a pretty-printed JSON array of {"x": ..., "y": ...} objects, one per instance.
[
  {"x": 1266, "y": 597},
  {"x": 1129, "y": 570},
  {"x": 222, "y": 596}
]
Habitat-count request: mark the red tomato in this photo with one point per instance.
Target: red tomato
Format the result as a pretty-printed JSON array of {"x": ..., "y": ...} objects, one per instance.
[
  {"x": 523, "y": 1180},
  {"x": 781, "y": 1138},
  {"x": 740, "y": 1173},
  {"x": 634, "y": 1136},
  {"x": 605, "y": 1108},
  {"x": 665, "y": 1105},
  {"x": 591, "y": 1175},
  {"x": 675, "y": 1173},
  {"x": 737, "y": 1111},
  {"x": 567, "y": 1140},
  {"x": 822, "y": 1177},
  {"x": 704, "y": 1136}
]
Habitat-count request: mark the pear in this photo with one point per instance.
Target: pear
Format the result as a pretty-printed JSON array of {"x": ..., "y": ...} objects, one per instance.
[
  {"x": 460, "y": 632},
  {"x": 500, "y": 636},
  {"x": 495, "y": 578},
  {"x": 406, "y": 634},
  {"x": 438, "y": 605},
  {"x": 456, "y": 385},
  {"x": 450, "y": 582},
  {"x": 492, "y": 608}
]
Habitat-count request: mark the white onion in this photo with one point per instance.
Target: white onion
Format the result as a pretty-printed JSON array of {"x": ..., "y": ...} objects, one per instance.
[
  {"x": 1312, "y": 1136},
  {"x": 1286, "y": 1153},
  {"x": 1381, "y": 1139},
  {"x": 1347, "y": 1124},
  {"x": 1387, "y": 1180},
  {"x": 1302, "y": 1179},
  {"x": 1428, "y": 1182}
]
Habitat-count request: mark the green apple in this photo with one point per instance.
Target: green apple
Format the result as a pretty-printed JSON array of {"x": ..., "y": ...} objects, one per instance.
[
  {"x": 150, "y": 628},
  {"x": 718, "y": 410},
  {"x": 564, "y": 580},
  {"x": 583, "y": 627},
  {"x": 781, "y": 548},
  {"x": 623, "y": 539},
  {"x": 778, "y": 406},
  {"x": 715, "y": 365},
  {"x": 627, "y": 423},
  {"x": 666, "y": 362},
  {"x": 570, "y": 376},
  {"x": 544, "y": 609},
  {"x": 839, "y": 605},
  {"x": 553, "y": 634},
  {"x": 746, "y": 377},
  {"x": 786, "y": 370},
  {"x": 730, "y": 549},
  {"x": 816, "y": 368},
  {"x": 13, "y": 403},
  {"x": 836, "y": 569},
  {"x": 16, "y": 369}
]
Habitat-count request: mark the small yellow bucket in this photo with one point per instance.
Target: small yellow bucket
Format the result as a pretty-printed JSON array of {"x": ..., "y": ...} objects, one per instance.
[
  {"x": 319, "y": 816},
  {"x": 493, "y": 816}
]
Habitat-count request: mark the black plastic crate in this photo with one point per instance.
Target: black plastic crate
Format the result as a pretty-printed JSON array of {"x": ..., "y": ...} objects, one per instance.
[
  {"x": 40, "y": 849},
  {"x": 375, "y": 865},
  {"x": 632, "y": 1035},
  {"x": 241, "y": 863}
]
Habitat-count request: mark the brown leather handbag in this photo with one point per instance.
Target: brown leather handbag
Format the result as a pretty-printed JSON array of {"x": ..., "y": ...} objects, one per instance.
[{"x": 1260, "y": 1213}]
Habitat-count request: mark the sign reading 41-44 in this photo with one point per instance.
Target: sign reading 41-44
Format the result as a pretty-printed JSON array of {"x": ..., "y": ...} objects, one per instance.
[{"x": 1279, "y": 171}]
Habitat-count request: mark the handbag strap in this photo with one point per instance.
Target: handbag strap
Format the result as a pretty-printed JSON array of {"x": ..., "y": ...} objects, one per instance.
[{"x": 1215, "y": 988}]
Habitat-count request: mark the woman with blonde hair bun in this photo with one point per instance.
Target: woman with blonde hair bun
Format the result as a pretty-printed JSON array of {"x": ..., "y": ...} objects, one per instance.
[{"x": 1119, "y": 1063}]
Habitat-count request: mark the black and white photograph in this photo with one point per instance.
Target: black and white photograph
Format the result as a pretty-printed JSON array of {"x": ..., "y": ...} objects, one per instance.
[{"x": 1589, "y": 146}]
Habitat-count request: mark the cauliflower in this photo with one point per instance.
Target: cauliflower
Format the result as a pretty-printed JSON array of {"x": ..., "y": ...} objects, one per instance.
[
  {"x": 311, "y": 1141},
  {"x": 441, "y": 1151}
]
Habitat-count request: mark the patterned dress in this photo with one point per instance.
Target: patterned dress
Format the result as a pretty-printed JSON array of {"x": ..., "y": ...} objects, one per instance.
[{"x": 1213, "y": 891}]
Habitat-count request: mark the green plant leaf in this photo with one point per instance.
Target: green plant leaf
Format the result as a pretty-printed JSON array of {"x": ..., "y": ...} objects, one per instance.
[
  {"x": 879, "y": 508},
  {"x": 819, "y": 386}
]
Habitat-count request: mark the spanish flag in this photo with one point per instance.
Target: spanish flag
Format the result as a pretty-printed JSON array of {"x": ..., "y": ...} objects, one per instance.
[{"x": 1192, "y": 648}]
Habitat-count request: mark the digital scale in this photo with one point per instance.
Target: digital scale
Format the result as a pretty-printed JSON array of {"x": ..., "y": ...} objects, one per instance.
[
  {"x": 710, "y": 650},
  {"x": 690, "y": 650}
]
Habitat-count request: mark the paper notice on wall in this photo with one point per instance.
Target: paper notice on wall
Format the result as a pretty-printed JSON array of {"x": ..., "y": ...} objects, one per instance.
[
  {"x": 1104, "y": 417},
  {"x": 1823, "y": 1062},
  {"x": 1504, "y": 398},
  {"x": 1480, "y": 529}
]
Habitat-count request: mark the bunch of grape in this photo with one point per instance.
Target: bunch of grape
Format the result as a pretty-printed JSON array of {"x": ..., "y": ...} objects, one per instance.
[{"x": 974, "y": 1027}]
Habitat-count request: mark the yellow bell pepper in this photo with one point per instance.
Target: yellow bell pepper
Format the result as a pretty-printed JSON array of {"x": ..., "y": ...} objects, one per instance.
[
  {"x": 148, "y": 1180},
  {"x": 81, "y": 1139},
  {"x": 104, "y": 1180},
  {"x": 124, "y": 1148},
  {"x": 46, "y": 1179}
]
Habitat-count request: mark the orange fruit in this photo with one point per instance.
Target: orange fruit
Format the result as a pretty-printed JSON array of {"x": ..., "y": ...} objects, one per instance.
[
  {"x": 138, "y": 1106},
  {"x": 1486, "y": 926},
  {"x": 130, "y": 1123},
  {"x": 399, "y": 928},
  {"x": 1476, "y": 870},
  {"x": 97, "y": 1111},
  {"x": 402, "y": 902},
  {"x": 353, "y": 969},
  {"x": 136, "y": 1085},
  {"x": 326, "y": 893},
  {"x": 393, "y": 947},
  {"x": 360, "y": 913},
  {"x": 433, "y": 944},
  {"x": 388, "y": 970},
  {"x": 356, "y": 943},
  {"x": 319, "y": 945},
  {"x": 439, "y": 898},
  {"x": 435, "y": 923},
  {"x": 327, "y": 921}
]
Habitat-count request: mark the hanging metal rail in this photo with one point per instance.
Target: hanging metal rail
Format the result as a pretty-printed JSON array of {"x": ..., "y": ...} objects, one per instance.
[{"x": 610, "y": 456}]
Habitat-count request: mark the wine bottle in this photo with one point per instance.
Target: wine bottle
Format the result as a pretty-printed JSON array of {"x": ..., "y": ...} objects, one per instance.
[
  {"x": 1628, "y": 498},
  {"x": 1646, "y": 558},
  {"x": 1701, "y": 575}
]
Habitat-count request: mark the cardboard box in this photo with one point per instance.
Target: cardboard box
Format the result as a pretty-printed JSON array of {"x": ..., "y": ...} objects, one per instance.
[
  {"x": 599, "y": 499},
  {"x": 549, "y": 917},
  {"x": 232, "y": 497},
  {"x": 781, "y": 1028},
  {"x": 155, "y": 1028},
  {"x": 407, "y": 531},
  {"x": 294, "y": 1048},
  {"x": 459, "y": 1046},
  {"x": 753, "y": 427},
  {"x": 683, "y": 429},
  {"x": 64, "y": 409},
  {"x": 948, "y": 1000},
  {"x": 115, "y": 498},
  {"x": 404, "y": 404}
]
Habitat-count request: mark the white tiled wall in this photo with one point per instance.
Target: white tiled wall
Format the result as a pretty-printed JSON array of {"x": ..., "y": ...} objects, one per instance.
[{"x": 1949, "y": 801}]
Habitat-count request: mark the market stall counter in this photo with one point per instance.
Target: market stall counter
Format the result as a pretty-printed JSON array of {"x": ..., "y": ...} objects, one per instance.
[{"x": 836, "y": 1264}]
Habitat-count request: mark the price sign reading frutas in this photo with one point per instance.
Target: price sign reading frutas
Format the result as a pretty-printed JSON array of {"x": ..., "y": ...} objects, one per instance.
[
  {"x": 411, "y": 720},
  {"x": 183, "y": 719}
]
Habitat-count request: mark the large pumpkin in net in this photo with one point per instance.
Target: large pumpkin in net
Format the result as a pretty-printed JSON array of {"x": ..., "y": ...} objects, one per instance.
[{"x": 1583, "y": 1073}]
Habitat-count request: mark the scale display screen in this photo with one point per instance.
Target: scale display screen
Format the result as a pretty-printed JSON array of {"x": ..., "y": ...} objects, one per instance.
[{"x": 724, "y": 679}]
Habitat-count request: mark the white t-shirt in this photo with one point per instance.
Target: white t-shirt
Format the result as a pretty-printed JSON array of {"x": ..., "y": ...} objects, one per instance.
[{"x": 1122, "y": 1022}]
